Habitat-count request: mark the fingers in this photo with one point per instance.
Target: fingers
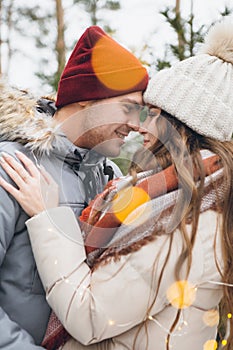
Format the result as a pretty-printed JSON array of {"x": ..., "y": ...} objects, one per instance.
[
  {"x": 13, "y": 170},
  {"x": 29, "y": 165},
  {"x": 22, "y": 174},
  {"x": 35, "y": 171}
]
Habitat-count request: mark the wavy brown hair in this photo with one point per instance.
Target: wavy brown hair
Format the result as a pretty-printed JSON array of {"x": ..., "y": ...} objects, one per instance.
[{"x": 179, "y": 145}]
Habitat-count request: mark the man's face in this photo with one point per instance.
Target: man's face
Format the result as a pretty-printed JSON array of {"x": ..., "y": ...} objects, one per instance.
[{"x": 108, "y": 122}]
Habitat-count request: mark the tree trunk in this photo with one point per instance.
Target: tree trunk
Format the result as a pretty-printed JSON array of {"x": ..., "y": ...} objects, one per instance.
[
  {"x": 9, "y": 25},
  {"x": 0, "y": 38},
  {"x": 177, "y": 10},
  {"x": 191, "y": 45},
  {"x": 60, "y": 42},
  {"x": 180, "y": 31}
]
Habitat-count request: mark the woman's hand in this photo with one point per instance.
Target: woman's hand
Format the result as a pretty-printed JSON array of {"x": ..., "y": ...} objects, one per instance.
[{"x": 37, "y": 191}]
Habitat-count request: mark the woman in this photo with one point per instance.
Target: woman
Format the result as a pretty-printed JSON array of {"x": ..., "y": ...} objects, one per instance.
[{"x": 159, "y": 280}]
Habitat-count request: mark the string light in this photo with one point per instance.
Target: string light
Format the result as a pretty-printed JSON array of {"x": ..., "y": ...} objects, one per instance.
[
  {"x": 224, "y": 342},
  {"x": 210, "y": 345},
  {"x": 111, "y": 322},
  {"x": 211, "y": 318},
  {"x": 181, "y": 295},
  {"x": 180, "y": 327}
]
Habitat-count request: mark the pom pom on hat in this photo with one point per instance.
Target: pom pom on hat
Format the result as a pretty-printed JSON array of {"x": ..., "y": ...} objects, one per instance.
[
  {"x": 99, "y": 68},
  {"x": 219, "y": 41},
  {"x": 198, "y": 90}
]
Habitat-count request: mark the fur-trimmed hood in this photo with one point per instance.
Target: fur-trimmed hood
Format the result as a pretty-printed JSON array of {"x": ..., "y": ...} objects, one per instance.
[{"x": 22, "y": 120}]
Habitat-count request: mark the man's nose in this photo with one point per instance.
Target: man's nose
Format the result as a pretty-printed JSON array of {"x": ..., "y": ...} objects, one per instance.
[
  {"x": 133, "y": 127},
  {"x": 134, "y": 122}
]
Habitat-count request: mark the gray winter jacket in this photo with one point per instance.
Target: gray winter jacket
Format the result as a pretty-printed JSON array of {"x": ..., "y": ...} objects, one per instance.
[{"x": 80, "y": 175}]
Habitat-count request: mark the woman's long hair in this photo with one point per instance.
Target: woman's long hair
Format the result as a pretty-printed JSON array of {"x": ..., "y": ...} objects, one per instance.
[{"x": 177, "y": 144}]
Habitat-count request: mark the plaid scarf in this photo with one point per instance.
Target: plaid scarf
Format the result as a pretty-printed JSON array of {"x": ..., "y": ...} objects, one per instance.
[{"x": 122, "y": 240}]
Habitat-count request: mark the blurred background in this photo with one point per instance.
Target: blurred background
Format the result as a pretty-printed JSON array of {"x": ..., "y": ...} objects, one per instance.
[{"x": 36, "y": 38}]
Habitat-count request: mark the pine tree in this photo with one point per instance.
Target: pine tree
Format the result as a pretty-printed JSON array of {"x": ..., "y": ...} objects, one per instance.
[
  {"x": 58, "y": 47},
  {"x": 54, "y": 41},
  {"x": 96, "y": 7},
  {"x": 6, "y": 26},
  {"x": 187, "y": 38}
]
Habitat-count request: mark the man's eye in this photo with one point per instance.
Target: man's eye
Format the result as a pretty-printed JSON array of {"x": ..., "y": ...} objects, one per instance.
[
  {"x": 128, "y": 108},
  {"x": 131, "y": 107}
]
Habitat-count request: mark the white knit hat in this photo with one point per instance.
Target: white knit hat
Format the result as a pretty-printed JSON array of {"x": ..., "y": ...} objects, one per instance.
[{"x": 199, "y": 90}]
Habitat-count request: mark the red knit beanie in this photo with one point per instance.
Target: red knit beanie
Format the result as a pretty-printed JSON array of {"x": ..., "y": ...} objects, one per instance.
[{"x": 99, "y": 68}]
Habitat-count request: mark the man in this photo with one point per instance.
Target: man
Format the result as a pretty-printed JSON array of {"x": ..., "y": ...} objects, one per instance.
[{"x": 98, "y": 104}]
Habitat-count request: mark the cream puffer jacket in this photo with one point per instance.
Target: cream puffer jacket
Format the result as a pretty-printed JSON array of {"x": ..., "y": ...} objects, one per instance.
[{"x": 108, "y": 308}]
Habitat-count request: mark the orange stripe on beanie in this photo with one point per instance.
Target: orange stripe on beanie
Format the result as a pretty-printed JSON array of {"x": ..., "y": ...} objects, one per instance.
[{"x": 99, "y": 68}]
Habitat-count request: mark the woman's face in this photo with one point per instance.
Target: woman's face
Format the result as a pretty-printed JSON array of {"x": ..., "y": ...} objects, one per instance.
[{"x": 148, "y": 128}]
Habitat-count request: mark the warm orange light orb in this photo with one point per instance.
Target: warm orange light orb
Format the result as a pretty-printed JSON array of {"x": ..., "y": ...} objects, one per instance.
[
  {"x": 122, "y": 77},
  {"x": 126, "y": 201}
]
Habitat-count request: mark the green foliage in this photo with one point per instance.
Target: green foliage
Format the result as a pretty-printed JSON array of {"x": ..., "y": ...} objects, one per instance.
[
  {"x": 161, "y": 64},
  {"x": 50, "y": 79},
  {"x": 42, "y": 27},
  {"x": 34, "y": 17},
  {"x": 113, "y": 5},
  {"x": 227, "y": 11},
  {"x": 131, "y": 145},
  {"x": 123, "y": 164},
  {"x": 187, "y": 38},
  {"x": 95, "y": 8},
  {"x": 40, "y": 20}
]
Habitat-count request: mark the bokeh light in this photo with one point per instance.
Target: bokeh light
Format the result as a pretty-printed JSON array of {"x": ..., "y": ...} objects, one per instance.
[
  {"x": 224, "y": 342},
  {"x": 211, "y": 318},
  {"x": 181, "y": 294},
  {"x": 126, "y": 201},
  {"x": 210, "y": 345},
  {"x": 120, "y": 78}
]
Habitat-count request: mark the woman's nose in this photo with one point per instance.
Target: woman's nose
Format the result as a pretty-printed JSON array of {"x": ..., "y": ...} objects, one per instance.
[{"x": 142, "y": 130}]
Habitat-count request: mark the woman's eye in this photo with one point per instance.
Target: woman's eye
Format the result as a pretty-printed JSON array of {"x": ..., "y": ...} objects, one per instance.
[
  {"x": 132, "y": 108},
  {"x": 153, "y": 112}
]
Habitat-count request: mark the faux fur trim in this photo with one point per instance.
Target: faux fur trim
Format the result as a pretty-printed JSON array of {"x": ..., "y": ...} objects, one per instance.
[
  {"x": 21, "y": 122},
  {"x": 219, "y": 40}
]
